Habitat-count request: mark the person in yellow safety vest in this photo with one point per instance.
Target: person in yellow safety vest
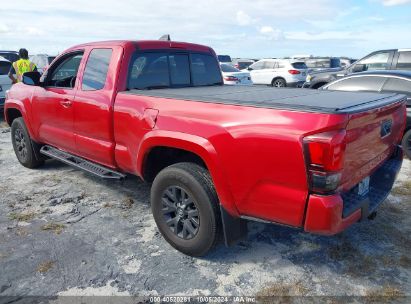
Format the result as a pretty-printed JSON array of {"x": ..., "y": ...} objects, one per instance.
[{"x": 21, "y": 66}]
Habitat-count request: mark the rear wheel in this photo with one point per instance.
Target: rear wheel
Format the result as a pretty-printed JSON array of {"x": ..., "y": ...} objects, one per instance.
[
  {"x": 406, "y": 143},
  {"x": 22, "y": 145},
  {"x": 279, "y": 83},
  {"x": 185, "y": 207}
]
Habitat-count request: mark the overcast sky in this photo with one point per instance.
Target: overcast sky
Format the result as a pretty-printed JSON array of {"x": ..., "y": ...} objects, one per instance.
[{"x": 240, "y": 28}]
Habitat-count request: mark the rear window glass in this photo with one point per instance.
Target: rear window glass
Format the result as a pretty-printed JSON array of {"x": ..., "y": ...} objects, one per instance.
[
  {"x": 4, "y": 67},
  {"x": 163, "y": 70},
  {"x": 95, "y": 73},
  {"x": 228, "y": 68},
  {"x": 205, "y": 70},
  {"x": 224, "y": 58},
  {"x": 299, "y": 65},
  {"x": 395, "y": 85},
  {"x": 404, "y": 61},
  {"x": 366, "y": 83},
  {"x": 179, "y": 70}
]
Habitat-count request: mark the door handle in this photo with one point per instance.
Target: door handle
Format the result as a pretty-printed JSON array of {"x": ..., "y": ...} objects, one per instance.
[{"x": 66, "y": 103}]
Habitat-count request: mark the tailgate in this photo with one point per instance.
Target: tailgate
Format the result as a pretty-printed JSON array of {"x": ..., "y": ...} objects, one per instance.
[{"x": 372, "y": 137}]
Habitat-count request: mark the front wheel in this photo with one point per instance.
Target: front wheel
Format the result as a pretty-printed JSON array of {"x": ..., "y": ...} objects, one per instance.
[
  {"x": 406, "y": 143},
  {"x": 22, "y": 145},
  {"x": 185, "y": 207}
]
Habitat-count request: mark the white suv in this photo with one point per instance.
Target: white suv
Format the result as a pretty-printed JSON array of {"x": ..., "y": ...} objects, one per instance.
[{"x": 278, "y": 72}]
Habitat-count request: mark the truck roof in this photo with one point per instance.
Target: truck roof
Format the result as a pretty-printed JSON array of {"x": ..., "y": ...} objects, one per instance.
[
  {"x": 147, "y": 44},
  {"x": 335, "y": 102}
]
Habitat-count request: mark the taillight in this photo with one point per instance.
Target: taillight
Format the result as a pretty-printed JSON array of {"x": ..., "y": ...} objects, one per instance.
[
  {"x": 294, "y": 72},
  {"x": 325, "y": 160},
  {"x": 230, "y": 78}
]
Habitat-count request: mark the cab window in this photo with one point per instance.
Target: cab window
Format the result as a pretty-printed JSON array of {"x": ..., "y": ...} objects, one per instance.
[
  {"x": 95, "y": 73},
  {"x": 64, "y": 72},
  {"x": 404, "y": 61}
]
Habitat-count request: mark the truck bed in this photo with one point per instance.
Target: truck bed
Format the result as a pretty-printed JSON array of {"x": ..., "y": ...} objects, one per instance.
[{"x": 276, "y": 98}]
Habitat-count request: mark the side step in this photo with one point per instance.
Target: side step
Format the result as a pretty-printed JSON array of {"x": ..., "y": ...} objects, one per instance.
[{"x": 81, "y": 163}]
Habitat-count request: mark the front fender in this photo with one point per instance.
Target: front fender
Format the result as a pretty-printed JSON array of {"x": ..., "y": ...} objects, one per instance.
[
  {"x": 197, "y": 145},
  {"x": 19, "y": 106}
]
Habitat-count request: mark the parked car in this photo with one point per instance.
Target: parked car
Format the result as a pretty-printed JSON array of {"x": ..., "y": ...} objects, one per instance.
[
  {"x": 278, "y": 72},
  {"x": 393, "y": 81},
  {"x": 242, "y": 64},
  {"x": 42, "y": 61},
  {"x": 5, "y": 82},
  {"x": 398, "y": 59},
  {"x": 321, "y": 63},
  {"x": 216, "y": 155},
  {"x": 224, "y": 59},
  {"x": 233, "y": 76},
  {"x": 10, "y": 55}
]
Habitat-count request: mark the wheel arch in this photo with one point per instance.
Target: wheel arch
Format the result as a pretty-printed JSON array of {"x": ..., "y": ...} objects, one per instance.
[{"x": 184, "y": 147}]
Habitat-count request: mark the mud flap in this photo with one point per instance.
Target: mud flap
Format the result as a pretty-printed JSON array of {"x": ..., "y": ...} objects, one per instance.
[{"x": 234, "y": 228}]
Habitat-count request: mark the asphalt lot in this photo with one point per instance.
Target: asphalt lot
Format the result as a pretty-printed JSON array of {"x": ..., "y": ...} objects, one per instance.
[{"x": 64, "y": 232}]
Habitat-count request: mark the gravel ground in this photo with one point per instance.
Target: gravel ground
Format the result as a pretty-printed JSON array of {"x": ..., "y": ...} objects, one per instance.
[{"x": 64, "y": 232}]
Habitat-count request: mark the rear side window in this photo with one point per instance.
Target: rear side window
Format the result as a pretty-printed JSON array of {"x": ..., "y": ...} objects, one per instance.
[
  {"x": 404, "y": 61},
  {"x": 95, "y": 74},
  {"x": 4, "y": 67},
  {"x": 394, "y": 85},
  {"x": 366, "y": 83},
  {"x": 299, "y": 65},
  {"x": 228, "y": 68}
]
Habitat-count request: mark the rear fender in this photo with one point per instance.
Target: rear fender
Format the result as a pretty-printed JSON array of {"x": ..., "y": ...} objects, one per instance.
[{"x": 197, "y": 145}]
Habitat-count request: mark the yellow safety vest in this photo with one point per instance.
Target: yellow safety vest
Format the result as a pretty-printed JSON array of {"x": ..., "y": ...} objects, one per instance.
[{"x": 22, "y": 66}]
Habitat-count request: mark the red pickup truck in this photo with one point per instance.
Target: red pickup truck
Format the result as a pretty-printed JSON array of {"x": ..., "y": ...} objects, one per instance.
[{"x": 216, "y": 155}]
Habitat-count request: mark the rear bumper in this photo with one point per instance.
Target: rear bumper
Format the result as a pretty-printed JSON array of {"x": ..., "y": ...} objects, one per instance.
[{"x": 331, "y": 214}]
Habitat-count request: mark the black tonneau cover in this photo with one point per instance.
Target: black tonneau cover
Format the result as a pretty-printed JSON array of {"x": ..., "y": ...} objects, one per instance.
[{"x": 278, "y": 98}]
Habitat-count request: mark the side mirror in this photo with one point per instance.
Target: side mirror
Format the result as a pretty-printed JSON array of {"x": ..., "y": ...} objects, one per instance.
[
  {"x": 358, "y": 68},
  {"x": 249, "y": 69},
  {"x": 31, "y": 78}
]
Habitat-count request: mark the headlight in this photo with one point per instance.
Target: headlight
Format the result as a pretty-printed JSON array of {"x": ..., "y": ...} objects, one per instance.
[{"x": 308, "y": 79}]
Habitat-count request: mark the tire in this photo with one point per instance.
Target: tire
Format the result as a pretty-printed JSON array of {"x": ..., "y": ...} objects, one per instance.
[
  {"x": 192, "y": 184},
  {"x": 279, "y": 83},
  {"x": 23, "y": 146},
  {"x": 406, "y": 143}
]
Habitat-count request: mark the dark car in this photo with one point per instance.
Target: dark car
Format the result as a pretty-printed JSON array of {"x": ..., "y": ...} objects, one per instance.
[
  {"x": 10, "y": 55},
  {"x": 398, "y": 59},
  {"x": 383, "y": 82}
]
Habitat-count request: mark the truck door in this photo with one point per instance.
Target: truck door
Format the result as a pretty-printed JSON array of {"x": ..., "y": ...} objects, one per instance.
[
  {"x": 93, "y": 105},
  {"x": 53, "y": 103}
]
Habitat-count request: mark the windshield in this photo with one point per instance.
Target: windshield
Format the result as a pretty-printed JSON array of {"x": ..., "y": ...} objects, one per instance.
[
  {"x": 228, "y": 68},
  {"x": 155, "y": 70},
  {"x": 10, "y": 56}
]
